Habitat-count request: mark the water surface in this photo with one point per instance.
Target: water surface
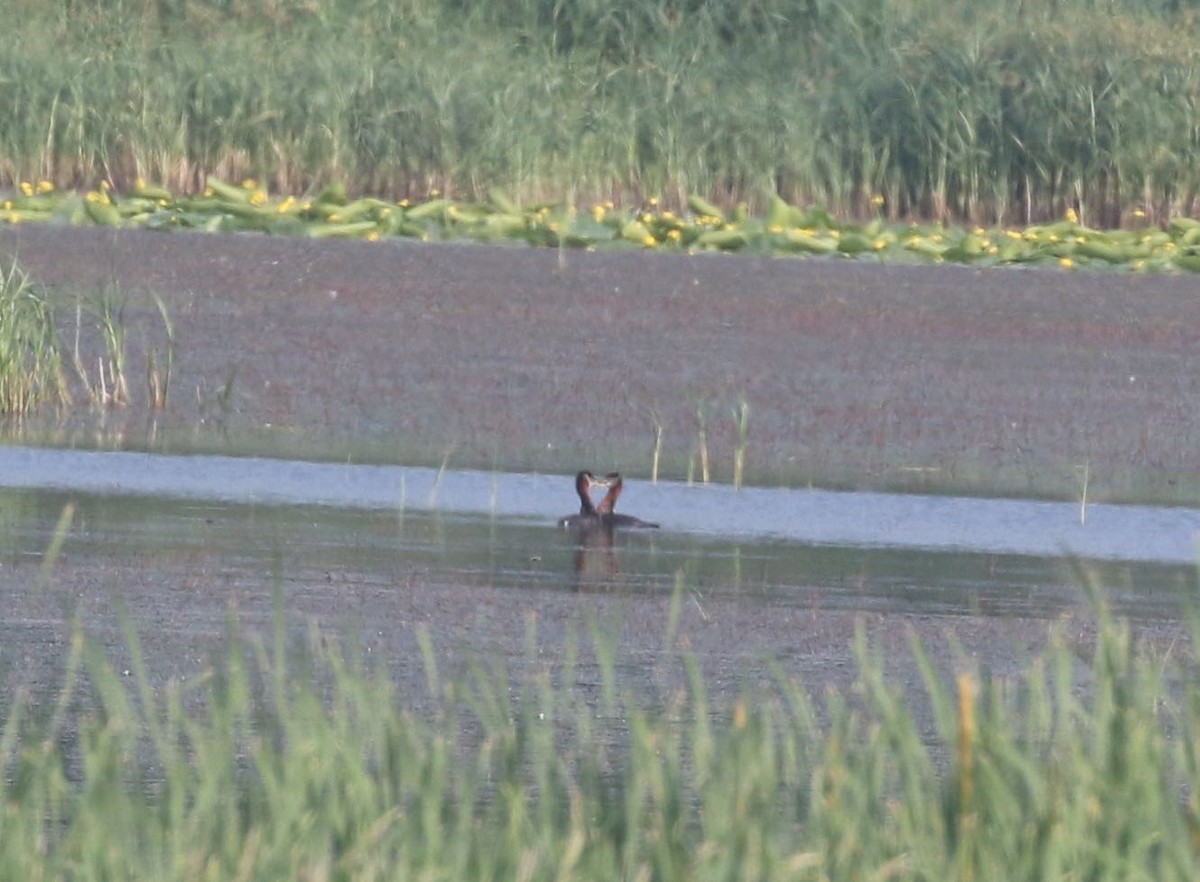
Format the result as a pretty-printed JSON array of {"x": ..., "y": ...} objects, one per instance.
[
  {"x": 863, "y": 520},
  {"x": 181, "y": 546}
]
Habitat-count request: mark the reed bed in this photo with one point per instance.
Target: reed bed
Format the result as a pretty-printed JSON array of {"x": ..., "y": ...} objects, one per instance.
[
  {"x": 997, "y": 115},
  {"x": 33, "y": 354},
  {"x": 280, "y": 764},
  {"x": 31, "y": 372}
]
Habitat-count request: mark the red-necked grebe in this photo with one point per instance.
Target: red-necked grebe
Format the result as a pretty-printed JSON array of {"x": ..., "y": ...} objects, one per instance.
[
  {"x": 604, "y": 510},
  {"x": 587, "y": 517}
]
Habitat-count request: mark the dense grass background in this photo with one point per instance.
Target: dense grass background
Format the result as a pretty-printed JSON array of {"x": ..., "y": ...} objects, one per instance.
[{"x": 951, "y": 109}]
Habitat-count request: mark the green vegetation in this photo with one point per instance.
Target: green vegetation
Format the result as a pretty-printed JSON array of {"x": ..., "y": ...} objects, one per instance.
[
  {"x": 32, "y": 353},
  {"x": 30, "y": 362},
  {"x": 1001, "y": 114},
  {"x": 741, "y": 420},
  {"x": 277, "y": 766},
  {"x": 784, "y": 229}
]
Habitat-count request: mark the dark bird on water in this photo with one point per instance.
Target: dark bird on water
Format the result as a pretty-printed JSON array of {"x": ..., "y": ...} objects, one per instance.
[{"x": 602, "y": 516}]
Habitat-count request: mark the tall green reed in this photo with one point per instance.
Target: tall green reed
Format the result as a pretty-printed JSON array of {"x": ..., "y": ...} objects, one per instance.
[
  {"x": 31, "y": 372},
  {"x": 943, "y": 110}
]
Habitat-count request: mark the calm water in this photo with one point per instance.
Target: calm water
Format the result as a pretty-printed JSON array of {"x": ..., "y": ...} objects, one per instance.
[
  {"x": 812, "y": 517},
  {"x": 856, "y": 550},
  {"x": 175, "y": 549}
]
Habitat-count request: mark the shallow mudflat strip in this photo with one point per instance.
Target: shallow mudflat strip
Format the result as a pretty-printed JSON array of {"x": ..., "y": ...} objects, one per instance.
[{"x": 856, "y": 375}]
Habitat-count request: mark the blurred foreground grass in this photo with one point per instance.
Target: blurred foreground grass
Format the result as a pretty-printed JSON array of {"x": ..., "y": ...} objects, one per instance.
[{"x": 304, "y": 765}]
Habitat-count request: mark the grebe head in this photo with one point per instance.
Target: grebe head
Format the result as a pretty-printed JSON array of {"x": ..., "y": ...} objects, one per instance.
[
  {"x": 584, "y": 482},
  {"x": 614, "y": 482}
]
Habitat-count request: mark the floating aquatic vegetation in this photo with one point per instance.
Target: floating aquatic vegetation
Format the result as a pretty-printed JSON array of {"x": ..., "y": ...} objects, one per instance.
[{"x": 784, "y": 229}]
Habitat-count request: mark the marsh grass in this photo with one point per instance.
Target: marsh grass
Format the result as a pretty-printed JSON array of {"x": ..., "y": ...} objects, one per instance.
[
  {"x": 656, "y": 453},
  {"x": 741, "y": 422},
  {"x": 158, "y": 377},
  {"x": 101, "y": 325},
  {"x": 922, "y": 109},
  {"x": 111, "y": 387},
  {"x": 702, "y": 438},
  {"x": 304, "y": 762},
  {"x": 31, "y": 370},
  {"x": 436, "y": 488},
  {"x": 217, "y": 403}
]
